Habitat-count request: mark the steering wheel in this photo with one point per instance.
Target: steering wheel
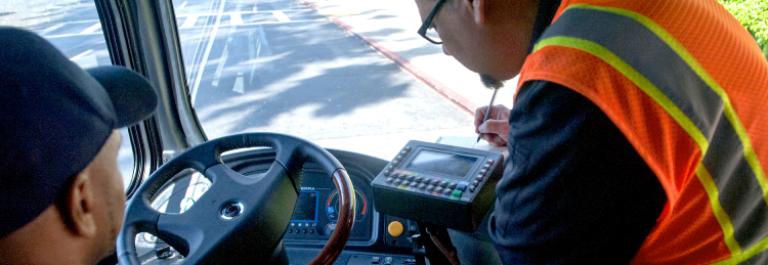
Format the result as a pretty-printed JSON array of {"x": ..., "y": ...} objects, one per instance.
[{"x": 240, "y": 219}]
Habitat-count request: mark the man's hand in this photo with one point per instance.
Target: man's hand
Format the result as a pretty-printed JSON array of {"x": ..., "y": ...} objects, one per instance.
[{"x": 496, "y": 129}]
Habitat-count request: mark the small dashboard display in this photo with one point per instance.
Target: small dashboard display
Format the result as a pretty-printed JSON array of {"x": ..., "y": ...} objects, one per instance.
[
  {"x": 306, "y": 207},
  {"x": 450, "y": 165}
]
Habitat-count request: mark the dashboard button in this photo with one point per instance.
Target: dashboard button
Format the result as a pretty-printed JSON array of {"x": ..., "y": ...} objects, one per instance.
[
  {"x": 395, "y": 228},
  {"x": 387, "y": 260},
  {"x": 375, "y": 260}
]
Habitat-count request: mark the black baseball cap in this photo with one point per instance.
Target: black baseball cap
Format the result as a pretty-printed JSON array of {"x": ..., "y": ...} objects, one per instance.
[{"x": 54, "y": 118}]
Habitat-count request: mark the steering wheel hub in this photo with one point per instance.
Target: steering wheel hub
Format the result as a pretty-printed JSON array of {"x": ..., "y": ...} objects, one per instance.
[{"x": 231, "y": 210}]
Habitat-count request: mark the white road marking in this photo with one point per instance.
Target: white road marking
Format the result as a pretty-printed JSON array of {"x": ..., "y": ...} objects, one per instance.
[
  {"x": 190, "y": 21},
  {"x": 92, "y": 29},
  {"x": 81, "y": 55},
  {"x": 51, "y": 28},
  {"x": 220, "y": 68},
  {"x": 239, "y": 86},
  {"x": 280, "y": 16},
  {"x": 207, "y": 52},
  {"x": 183, "y": 5},
  {"x": 235, "y": 18}
]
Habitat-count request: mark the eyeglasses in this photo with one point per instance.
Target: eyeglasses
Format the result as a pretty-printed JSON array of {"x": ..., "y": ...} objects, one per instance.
[{"x": 427, "y": 29}]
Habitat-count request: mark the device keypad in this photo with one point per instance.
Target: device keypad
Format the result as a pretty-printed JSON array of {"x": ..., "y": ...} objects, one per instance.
[{"x": 436, "y": 187}]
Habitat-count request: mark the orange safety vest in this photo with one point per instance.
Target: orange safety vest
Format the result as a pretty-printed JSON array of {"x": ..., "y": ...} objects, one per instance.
[{"x": 688, "y": 87}]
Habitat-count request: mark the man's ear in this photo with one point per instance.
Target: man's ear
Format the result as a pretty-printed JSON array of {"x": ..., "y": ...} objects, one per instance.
[
  {"x": 78, "y": 211},
  {"x": 479, "y": 10}
]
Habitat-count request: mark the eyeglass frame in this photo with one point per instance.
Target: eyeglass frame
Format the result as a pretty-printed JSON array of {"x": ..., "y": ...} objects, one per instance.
[{"x": 428, "y": 22}]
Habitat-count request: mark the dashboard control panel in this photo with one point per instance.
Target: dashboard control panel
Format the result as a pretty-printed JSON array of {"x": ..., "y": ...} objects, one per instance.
[{"x": 439, "y": 184}]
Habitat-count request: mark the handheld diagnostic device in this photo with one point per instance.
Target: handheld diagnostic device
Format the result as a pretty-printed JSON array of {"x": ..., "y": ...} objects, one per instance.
[{"x": 439, "y": 184}]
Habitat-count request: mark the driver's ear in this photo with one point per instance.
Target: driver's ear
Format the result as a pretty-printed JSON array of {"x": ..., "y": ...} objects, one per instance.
[{"x": 78, "y": 205}]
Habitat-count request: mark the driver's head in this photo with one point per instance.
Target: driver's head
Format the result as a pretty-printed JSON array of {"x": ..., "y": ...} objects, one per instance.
[
  {"x": 61, "y": 195},
  {"x": 490, "y": 37}
]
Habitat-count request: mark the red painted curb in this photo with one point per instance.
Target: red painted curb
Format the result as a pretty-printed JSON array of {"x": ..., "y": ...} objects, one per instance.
[{"x": 441, "y": 89}]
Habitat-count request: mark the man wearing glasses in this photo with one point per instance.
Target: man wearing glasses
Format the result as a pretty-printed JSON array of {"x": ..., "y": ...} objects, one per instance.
[{"x": 632, "y": 138}]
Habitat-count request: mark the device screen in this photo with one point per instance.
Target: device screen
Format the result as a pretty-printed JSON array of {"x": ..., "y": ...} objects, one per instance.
[
  {"x": 451, "y": 165},
  {"x": 306, "y": 207}
]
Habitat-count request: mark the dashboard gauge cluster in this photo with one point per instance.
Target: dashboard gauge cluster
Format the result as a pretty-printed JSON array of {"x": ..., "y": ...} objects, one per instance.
[{"x": 316, "y": 211}]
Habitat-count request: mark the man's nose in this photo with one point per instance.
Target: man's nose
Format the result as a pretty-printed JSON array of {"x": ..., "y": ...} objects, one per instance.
[{"x": 445, "y": 50}]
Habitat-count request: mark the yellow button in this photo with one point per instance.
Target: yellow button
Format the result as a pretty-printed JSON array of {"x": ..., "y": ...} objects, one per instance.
[{"x": 395, "y": 228}]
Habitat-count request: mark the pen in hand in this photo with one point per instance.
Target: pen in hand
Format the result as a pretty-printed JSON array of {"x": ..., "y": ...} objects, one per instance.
[
  {"x": 487, "y": 112},
  {"x": 494, "y": 84}
]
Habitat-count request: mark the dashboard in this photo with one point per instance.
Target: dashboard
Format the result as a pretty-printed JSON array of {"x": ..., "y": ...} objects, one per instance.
[{"x": 375, "y": 238}]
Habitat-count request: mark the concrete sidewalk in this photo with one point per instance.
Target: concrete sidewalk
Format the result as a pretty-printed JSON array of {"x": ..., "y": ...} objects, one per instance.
[{"x": 390, "y": 28}]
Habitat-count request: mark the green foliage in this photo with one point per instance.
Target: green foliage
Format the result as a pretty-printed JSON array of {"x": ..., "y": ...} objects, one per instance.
[{"x": 753, "y": 14}]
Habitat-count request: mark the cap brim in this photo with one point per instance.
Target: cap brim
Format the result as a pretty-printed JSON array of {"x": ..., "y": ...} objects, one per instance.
[{"x": 132, "y": 96}]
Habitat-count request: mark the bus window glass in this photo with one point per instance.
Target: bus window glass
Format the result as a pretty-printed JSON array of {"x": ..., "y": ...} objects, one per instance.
[
  {"x": 72, "y": 26},
  {"x": 280, "y": 66}
]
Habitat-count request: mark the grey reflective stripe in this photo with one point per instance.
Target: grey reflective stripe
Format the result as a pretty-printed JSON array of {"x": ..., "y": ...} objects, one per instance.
[{"x": 740, "y": 194}]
